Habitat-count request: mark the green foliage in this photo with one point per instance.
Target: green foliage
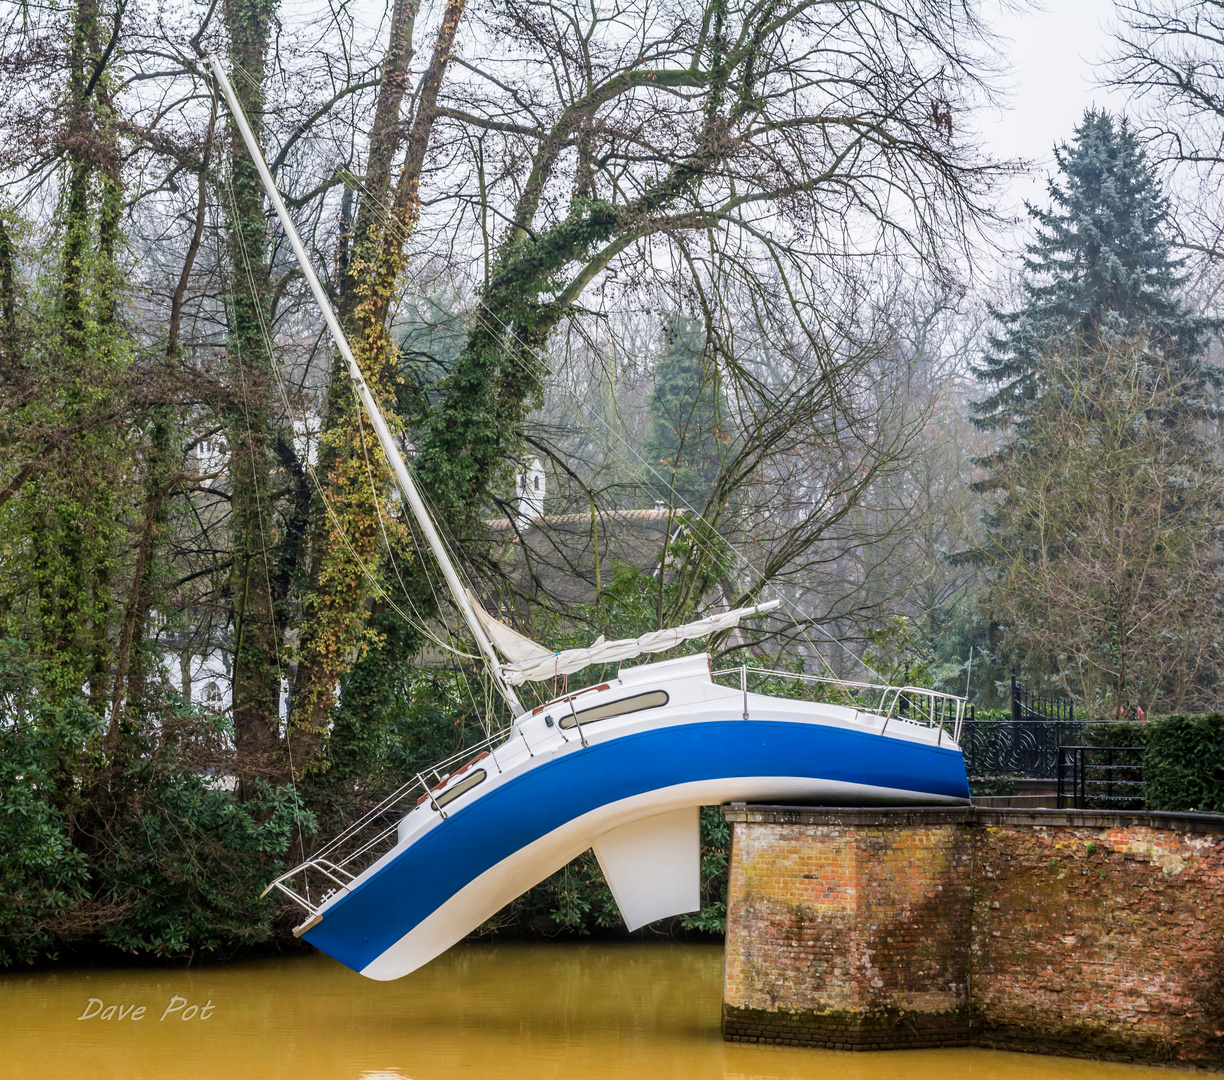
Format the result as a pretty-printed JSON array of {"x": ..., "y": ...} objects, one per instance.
[
  {"x": 899, "y": 653},
  {"x": 1101, "y": 265},
  {"x": 42, "y": 875},
  {"x": 159, "y": 856},
  {"x": 66, "y": 401},
  {"x": 469, "y": 439},
  {"x": 1115, "y": 733},
  {"x": 188, "y": 865},
  {"x": 632, "y": 603},
  {"x": 377, "y": 703},
  {"x": 688, "y": 431},
  {"x": 1104, "y": 545},
  {"x": 980, "y": 786},
  {"x": 577, "y": 897},
  {"x": 394, "y": 719},
  {"x": 1183, "y": 766}
]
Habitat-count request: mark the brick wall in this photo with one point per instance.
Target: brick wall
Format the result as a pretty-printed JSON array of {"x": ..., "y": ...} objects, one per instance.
[{"x": 1066, "y": 932}]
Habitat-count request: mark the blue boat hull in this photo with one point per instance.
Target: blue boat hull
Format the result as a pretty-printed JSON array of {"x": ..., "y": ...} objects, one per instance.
[{"x": 418, "y": 881}]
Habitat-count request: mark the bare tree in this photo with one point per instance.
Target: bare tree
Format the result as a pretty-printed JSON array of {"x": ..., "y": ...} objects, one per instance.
[
  {"x": 1168, "y": 53},
  {"x": 1104, "y": 549},
  {"x": 561, "y": 167}
]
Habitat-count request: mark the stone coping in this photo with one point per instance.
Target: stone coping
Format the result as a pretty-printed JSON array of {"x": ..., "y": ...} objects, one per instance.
[{"x": 971, "y": 815}]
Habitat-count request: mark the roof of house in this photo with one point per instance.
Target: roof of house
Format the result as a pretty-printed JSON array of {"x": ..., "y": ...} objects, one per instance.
[{"x": 561, "y": 556}]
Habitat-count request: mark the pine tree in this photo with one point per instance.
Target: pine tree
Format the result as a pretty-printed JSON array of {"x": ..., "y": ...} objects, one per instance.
[
  {"x": 1101, "y": 270},
  {"x": 1100, "y": 538},
  {"x": 686, "y": 437}
]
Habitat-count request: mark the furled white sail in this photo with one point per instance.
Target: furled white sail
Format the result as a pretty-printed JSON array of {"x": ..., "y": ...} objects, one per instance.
[{"x": 532, "y": 662}]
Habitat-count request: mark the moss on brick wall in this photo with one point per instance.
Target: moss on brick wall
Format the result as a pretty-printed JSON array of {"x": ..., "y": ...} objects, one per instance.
[{"x": 1086, "y": 933}]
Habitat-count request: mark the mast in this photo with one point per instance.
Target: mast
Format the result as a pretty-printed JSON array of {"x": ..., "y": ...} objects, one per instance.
[{"x": 398, "y": 466}]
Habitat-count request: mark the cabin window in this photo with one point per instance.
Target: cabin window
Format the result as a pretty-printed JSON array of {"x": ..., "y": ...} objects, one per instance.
[
  {"x": 466, "y": 784},
  {"x": 637, "y": 703}
]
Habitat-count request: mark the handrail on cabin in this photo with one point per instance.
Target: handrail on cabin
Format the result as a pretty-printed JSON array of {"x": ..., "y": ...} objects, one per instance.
[{"x": 933, "y": 697}]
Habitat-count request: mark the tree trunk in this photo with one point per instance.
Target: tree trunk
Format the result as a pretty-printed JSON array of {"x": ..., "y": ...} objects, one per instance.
[
  {"x": 249, "y": 414},
  {"x": 74, "y": 503},
  {"x": 351, "y": 465}
]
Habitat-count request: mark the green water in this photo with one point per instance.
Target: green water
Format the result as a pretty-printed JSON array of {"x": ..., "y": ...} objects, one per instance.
[{"x": 518, "y": 1012}]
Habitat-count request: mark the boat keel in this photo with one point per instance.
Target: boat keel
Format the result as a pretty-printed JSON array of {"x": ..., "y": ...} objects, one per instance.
[{"x": 653, "y": 866}]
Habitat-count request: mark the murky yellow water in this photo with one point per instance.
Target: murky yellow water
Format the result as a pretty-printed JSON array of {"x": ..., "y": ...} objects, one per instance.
[{"x": 518, "y": 1012}]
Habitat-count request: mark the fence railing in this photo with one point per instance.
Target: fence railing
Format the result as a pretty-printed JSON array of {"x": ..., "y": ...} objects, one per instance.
[
  {"x": 1100, "y": 777},
  {"x": 1027, "y": 748},
  {"x": 1026, "y": 744},
  {"x": 1025, "y": 705},
  {"x": 917, "y": 704}
]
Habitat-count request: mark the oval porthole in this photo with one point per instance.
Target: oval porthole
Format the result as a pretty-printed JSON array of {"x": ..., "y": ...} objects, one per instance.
[
  {"x": 476, "y": 776},
  {"x": 653, "y": 700}
]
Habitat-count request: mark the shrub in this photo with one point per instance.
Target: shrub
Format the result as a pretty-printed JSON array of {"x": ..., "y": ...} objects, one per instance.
[
  {"x": 43, "y": 877},
  {"x": 1115, "y": 733},
  {"x": 146, "y": 849},
  {"x": 1183, "y": 767}
]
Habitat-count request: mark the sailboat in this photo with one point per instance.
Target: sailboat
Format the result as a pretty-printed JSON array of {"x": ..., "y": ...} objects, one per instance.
[{"x": 621, "y": 767}]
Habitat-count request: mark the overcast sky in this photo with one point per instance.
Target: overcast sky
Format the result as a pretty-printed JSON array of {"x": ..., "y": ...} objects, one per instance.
[{"x": 1053, "y": 79}]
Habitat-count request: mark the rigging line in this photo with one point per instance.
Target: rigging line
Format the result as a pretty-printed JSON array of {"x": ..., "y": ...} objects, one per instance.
[
  {"x": 452, "y": 549},
  {"x": 420, "y": 626},
  {"x": 417, "y": 542},
  {"x": 391, "y": 555},
  {"x": 420, "y": 546},
  {"x": 792, "y": 608},
  {"x": 376, "y": 585},
  {"x": 276, "y": 643},
  {"x": 335, "y": 518},
  {"x": 246, "y": 412},
  {"x": 395, "y": 460},
  {"x": 390, "y": 221},
  {"x": 290, "y": 411}
]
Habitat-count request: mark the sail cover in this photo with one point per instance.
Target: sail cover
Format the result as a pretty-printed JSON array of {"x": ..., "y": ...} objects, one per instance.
[{"x": 532, "y": 662}]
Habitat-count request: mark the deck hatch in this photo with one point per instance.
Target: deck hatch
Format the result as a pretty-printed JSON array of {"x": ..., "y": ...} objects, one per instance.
[
  {"x": 652, "y": 700},
  {"x": 466, "y": 784}
]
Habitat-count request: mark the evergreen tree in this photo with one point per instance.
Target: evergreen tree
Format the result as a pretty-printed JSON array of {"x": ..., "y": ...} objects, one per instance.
[
  {"x": 1100, "y": 270},
  {"x": 1101, "y": 538},
  {"x": 686, "y": 438}
]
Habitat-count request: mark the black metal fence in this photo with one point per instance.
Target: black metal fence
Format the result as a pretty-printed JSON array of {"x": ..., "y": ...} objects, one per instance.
[
  {"x": 1025, "y": 705},
  {"x": 1026, "y": 745},
  {"x": 1100, "y": 777},
  {"x": 1027, "y": 748}
]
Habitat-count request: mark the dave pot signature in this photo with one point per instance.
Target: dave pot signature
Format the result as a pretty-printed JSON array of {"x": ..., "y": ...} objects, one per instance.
[{"x": 178, "y": 1007}]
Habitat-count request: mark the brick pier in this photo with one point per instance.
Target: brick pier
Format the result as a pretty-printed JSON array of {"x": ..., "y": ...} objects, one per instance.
[{"x": 1071, "y": 932}]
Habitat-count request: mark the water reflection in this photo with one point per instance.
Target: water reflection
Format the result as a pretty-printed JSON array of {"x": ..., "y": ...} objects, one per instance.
[{"x": 516, "y": 1012}]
